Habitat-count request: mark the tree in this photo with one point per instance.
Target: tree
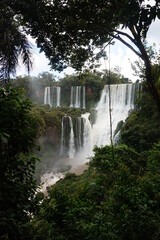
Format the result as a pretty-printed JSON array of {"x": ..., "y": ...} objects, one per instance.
[
  {"x": 17, "y": 163},
  {"x": 88, "y": 24},
  {"x": 69, "y": 31},
  {"x": 13, "y": 43}
]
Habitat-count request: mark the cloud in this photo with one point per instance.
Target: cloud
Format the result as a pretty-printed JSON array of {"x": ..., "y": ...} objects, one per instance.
[
  {"x": 120, "y": 56},
  {"x": 40, "y": 63},
  {"x": 153, "y": 35}
]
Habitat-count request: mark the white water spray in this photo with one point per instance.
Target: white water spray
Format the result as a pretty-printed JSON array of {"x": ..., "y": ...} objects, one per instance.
[
  {"x": 122, "y": 100},
  {"x": 87, "y": 135},
  {"x": 71, "y": 140},
  {"x": 47, "y": 96},
  {"x": 52, "y": 96},
  {"x": 77, "y": 97},
  {"x": 56, "y": 96},
  {"x": 79, "y": 132}
]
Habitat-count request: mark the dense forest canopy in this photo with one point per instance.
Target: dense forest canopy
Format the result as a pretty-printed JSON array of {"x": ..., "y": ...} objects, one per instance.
[{"x": 69, "y": 31}]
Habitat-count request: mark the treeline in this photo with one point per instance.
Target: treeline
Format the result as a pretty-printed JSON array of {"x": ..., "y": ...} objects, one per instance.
[{"x": 94, "y": 82}]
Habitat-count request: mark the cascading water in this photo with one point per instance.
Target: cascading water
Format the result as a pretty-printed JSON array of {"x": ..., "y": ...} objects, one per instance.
[
  {"x": 122, "y": 100},
  {"x": 58, "y": 97},
  {"x": 47, "y": 96},
  {"x": 67, "y": 137},
  {"x": 87, "y": 134},
  {"x": 62, "y": 137},
  {"x": 71, "y": 97},
  {"x": 78, "y": 146},
  {"x": 65, "y": 133},
  {"x": 79, "y": 133},
  {"x": 77, "y": 97},
  {"x": 52, "y": 96},
  {"x": 56, "y": 92},
  {"x": 71, "y": 139}
]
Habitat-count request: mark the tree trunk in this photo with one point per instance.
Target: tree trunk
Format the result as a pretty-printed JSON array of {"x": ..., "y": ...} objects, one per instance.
[
  {"x": 148, "y": 68},
  {"x": 151, "y": 85}
]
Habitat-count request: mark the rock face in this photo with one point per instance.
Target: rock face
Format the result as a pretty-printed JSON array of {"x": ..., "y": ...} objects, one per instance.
[
  {"x": 89, "y": 91},
  {"x": 79, "y": 169},
  {"x": 52, "y": 135}
]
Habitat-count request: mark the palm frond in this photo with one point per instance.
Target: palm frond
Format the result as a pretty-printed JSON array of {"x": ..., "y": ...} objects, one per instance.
[{"x": 13, "y": 44}]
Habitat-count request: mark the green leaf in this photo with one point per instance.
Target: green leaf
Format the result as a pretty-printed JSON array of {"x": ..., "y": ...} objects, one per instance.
[
  {"x": 158, "y": 13},
  {"x": 4, "y": 137}
]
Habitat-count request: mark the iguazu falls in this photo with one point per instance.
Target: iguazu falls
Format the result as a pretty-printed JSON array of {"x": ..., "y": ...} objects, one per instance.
[
  {"x": 79, "y": 120},
  {"x": 84, "y": 134},
  {"x": 91, "y": 127}
]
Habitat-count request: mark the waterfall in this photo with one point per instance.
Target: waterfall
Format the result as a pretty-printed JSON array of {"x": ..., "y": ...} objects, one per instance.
[
  {"x": 71, "y": 140},
  {"x": 77, "y": 142},
  {"x": 65, "y": 132},
  {"x": 52, "y": 96},
  {"x": 62, "y": 137},
  {"x": 58, "y": 96},
  {"x": 67, "y": 137},
  {"x": 87, "y": 134},
  {"x": 122, "y": 100},
  {"x": 79, "y": 132},
  {"x": 77, "y": 97},
  {"x": 47, "y": 96}
]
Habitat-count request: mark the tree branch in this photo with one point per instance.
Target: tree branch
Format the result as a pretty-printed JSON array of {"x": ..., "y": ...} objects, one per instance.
[
  {"x": 118, "y": 37},
  {"x": 128, "y": 45},
  {"x": 126, "y": 35}
]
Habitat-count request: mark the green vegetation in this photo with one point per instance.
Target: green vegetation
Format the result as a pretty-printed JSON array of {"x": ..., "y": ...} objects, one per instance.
[
  {"x": 141, "y": 130},
  {"x": 18, "y": 131},
  {"x": 49, "y": 124},
  {"x": 116, "y": 198},
  {"x": 74, "y": 42},
  {"x": 112, "y": 200},
  {"x": 93, "y": 81},
  {"x": 34, "y": 86}
]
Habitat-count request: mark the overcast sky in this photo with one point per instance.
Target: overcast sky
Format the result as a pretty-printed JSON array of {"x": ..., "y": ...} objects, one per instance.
[{"x": 120, "y": 56}]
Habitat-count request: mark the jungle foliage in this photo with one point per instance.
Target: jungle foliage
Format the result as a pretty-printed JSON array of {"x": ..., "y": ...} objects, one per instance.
[
  {"x": 112, "y": 200},
  {"x": 141, "y": 129},
  {"x": 49, "y": 122},
  {"x": 18, "y": 131}
]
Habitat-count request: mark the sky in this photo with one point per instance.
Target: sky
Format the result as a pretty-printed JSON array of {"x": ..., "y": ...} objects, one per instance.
[{"x": 120, "y": 56}]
